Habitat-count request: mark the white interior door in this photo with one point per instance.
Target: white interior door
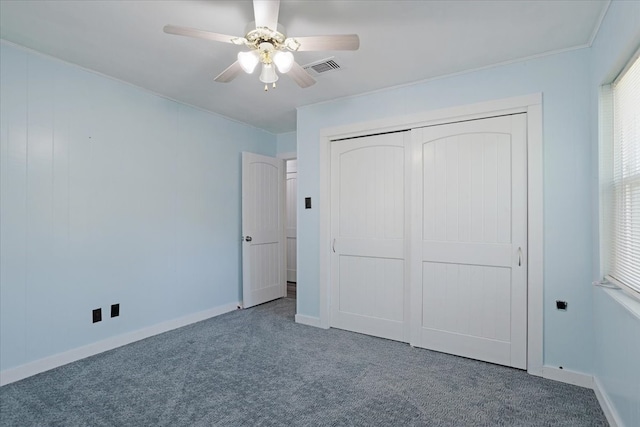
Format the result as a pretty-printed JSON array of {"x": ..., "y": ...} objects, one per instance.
[
  {"x": 368, "y": 224},
  {"x": 469, "y": 262},
  {"x": 263, "y": 250},
  {"x": 291, "y": 229}
]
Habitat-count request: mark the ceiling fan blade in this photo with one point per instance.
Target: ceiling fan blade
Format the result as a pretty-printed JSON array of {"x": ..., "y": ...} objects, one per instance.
[
  {"x": 230, "y": 73},
  {"x": 266, "y": 13},
  {"x": 300, "y": 76},
  {"x": 336, "y": 42},
  {"x": 200, "y": 34}
]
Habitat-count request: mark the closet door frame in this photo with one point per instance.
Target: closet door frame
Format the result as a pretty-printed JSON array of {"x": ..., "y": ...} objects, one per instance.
[{"x": 530, "y": 104}]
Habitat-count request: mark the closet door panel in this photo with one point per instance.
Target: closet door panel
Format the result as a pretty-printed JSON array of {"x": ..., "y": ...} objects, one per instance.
[
  {"x": 368, "y": 222},
  {"x": 470, "y": 217}
]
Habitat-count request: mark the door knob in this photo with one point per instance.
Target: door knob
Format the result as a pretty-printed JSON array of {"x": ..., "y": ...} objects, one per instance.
[{"x": 248, "y": 238}]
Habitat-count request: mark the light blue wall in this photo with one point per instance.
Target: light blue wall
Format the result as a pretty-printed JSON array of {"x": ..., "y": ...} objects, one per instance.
[
  {"x": 563, "y": 80},
  {"x": 287, "y": 142},
  {"x": 617, "y": 329},
  {"x": 617, "y": 354},
  {"x": 110, "y": 194}
]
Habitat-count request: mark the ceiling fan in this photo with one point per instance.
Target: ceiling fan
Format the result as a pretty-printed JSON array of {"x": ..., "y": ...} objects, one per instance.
[{"x": 269, "y": 46}]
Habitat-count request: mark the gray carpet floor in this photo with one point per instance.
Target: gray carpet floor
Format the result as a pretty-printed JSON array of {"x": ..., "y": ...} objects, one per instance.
[{"x": 256, "y": 367}]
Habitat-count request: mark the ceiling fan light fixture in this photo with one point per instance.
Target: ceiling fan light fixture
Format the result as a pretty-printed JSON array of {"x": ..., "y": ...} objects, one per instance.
[
  {"x": 283, "y": 61},
  {"x": 268, "y": 74},
  {"x": 268, "y": 45},
  {"x": 248, "y": 61}
]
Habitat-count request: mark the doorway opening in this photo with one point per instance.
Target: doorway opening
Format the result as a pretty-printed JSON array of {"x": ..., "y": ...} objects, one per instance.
[{"x": 291, "y": 188}]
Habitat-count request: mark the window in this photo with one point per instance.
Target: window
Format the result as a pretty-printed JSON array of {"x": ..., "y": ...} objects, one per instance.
[{"x": 620, "y": 172}]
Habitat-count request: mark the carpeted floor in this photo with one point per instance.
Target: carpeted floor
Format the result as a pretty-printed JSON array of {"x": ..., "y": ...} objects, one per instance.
[{"x": 257, "y": 367}]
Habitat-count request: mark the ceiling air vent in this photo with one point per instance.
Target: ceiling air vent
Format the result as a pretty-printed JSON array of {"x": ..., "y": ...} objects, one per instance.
[{"x": 321, "y": 67}]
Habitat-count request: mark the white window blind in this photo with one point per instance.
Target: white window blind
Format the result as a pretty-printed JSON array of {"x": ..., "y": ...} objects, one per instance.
[{"x": 624, "y": 211}]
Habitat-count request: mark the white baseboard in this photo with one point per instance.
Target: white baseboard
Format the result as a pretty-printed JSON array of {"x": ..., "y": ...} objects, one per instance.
[
  {"x": 567, "y": 376},
  {"x": 308, "y": 320},
  {"x": 534, "y": 370},
  {"x": 605, "y": 403},
  {"x": 41, "y": 365}
]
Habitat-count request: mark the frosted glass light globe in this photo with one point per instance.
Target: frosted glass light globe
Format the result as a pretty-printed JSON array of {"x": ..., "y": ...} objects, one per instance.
[
  {"x": 268, "y": 74},
  {"x": 248, "y": 61},
  {"x": 283, "y": 60}
]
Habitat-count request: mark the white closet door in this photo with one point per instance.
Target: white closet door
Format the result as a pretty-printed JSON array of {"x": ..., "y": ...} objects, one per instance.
[
  {"x": 290, "y": 229},
  {"x": 469, "y": 259},
  {"x": 263, "y": 268},
  {"x": 369, "y": 289}
]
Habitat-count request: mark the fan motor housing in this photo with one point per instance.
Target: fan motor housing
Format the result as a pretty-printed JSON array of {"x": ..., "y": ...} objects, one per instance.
[{"x": 261, "y": 35}]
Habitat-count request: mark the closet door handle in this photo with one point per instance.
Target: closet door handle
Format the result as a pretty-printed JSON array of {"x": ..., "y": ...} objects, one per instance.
[
  {"x": 333, "y": 246},
  {"x": 519, "y": 257}
]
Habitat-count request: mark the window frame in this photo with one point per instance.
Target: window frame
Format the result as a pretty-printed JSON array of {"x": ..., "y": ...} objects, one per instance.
[{"x": 607, "y": 137}]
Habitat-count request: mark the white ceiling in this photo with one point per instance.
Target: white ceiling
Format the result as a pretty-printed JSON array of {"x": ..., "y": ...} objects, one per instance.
[{"x": 400, "y": 42}]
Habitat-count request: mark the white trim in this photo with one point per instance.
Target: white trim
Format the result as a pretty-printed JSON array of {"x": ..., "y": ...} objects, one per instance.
[
  {"x": 633, "y": 294},
  {"x": 290, "y": 155},
  {"x": 324, "y": 210},
  {"x": 605, "y": 171},
  {"x": 596, "y": 29},
  {"x": 535, "y": 236},
  {"x": 518, "y": 104},
  {"x": 309, "y": 321},
  {"x": 41, "y": 365},
  {"x": 567, "y": 376},
  {"x": 605, "y": 403},
  {"x": 532, "y": 105}
]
